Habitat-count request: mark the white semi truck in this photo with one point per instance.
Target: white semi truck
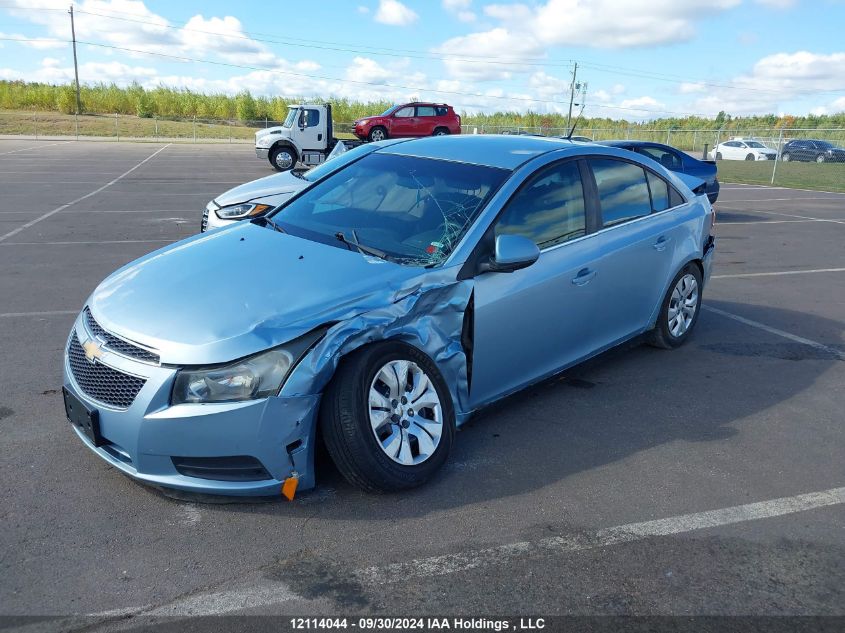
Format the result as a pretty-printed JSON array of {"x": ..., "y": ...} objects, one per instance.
[{"x": 305, "y": 137}]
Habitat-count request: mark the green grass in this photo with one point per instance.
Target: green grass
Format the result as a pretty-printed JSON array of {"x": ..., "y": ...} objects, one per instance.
[
  {"x": 124, "y": 126},
  {"x": 824, "y": 177}
]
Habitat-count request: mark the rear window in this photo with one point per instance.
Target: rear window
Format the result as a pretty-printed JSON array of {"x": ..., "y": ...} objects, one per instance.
[
  {"x": 442, "y": 110},
  {"x": 623, "y": 190}
]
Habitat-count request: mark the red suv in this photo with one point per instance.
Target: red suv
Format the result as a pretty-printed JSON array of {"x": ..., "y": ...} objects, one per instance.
[{"x": 409, "y": 119}]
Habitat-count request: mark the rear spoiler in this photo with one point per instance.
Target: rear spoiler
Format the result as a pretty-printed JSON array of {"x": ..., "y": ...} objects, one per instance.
[{"x": 697, "y": 185}]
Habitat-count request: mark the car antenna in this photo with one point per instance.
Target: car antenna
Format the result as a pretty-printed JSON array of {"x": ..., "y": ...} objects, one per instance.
[{"x": 574, "y": 125}]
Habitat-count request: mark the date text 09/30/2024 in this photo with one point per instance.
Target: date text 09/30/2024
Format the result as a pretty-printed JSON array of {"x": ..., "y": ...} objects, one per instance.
[{"x": 419, "y": 624}]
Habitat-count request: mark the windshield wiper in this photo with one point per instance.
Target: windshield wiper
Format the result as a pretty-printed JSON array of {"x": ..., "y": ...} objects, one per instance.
[
  {"x": 364, "y": 250},
  {"x": 275, "y": 226}
]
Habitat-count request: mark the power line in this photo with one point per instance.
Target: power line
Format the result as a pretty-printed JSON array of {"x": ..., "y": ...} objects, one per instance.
[{"x": 417, "y": 54}]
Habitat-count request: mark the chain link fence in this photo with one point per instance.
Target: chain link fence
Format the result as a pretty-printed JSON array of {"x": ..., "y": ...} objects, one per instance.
[{"x": 788, "y": 169}]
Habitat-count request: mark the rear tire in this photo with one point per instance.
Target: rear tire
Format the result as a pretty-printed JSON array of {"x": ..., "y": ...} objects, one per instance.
[
  {"x": 441, "y": 131},
  {"x": 749, "y": 157},
  {"x": 679, "y": 310},
  {"x": 786, "y": 158},
  {"x": 283, "y": 158},
  {"x": 718, "y": 155},
  {"x": 378, "y": 442},
  {"x": 378, "y": 133}
]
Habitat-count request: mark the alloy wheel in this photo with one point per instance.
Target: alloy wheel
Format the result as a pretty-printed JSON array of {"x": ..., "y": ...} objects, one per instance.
[
  {"x": 405, "y": 412},
  {"x": 683, "y": 305}
]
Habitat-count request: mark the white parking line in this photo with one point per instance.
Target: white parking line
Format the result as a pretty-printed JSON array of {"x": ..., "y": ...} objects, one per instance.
[
  {"x": 95, "y": 242},
  {"x": 24, "y": 149},
  {"x": 798, "y": 198},
  {"x": 784, "y": 215},
  {"x": 8, "y": 315},
  {"x": 771, "y": 330},
  {"x": 80, "y": 199},
  {"x": 780, "y": 272},
  {"x": 451, "y": 563},
  {"x": 737, "y": 185},
  {"x": 264, "y": 592},
  {"x": 723, "y": 223}
]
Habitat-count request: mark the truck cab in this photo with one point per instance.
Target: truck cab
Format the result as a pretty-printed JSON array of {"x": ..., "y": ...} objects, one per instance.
[{"x": 306, "y": 137}]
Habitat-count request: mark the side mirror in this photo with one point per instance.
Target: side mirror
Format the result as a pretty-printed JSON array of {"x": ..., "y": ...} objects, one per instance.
[
  {"x": 513, "y": 252},
  {"x": 302, "y": 120}
]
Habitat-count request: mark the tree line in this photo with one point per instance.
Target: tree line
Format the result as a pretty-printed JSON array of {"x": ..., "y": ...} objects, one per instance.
[{"x": 164, "y": 102}]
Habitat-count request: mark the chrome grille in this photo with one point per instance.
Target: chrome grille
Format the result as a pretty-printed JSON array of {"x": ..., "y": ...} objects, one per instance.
[
  {"x": 118, "y": 345},
  {"x": 100, "y": 382}
]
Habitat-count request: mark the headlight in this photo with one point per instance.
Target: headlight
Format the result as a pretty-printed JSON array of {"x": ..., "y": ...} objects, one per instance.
[
  {"x": 250, "y": 378},
  {"x": 244, "y": 210}
]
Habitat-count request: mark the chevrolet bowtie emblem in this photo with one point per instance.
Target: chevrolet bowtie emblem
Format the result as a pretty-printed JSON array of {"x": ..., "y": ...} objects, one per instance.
[{"x": 93, "y": 350}]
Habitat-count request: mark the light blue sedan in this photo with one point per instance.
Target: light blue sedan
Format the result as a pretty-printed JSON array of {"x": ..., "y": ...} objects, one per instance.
[{"x": 378, "y": 308}]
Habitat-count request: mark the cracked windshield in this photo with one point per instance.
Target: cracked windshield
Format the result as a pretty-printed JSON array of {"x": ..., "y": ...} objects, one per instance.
[{"x": 414, "y": 210}]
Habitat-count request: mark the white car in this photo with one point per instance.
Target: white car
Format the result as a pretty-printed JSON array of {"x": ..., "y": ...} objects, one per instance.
[
  {"x": 742, "y": 149},
  {"x": 255, "y": 198}
]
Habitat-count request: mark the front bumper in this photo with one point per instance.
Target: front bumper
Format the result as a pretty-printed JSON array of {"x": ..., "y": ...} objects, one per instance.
[
  {"x": 143, "y": 439},
  {"x": 262, "y": 152}
]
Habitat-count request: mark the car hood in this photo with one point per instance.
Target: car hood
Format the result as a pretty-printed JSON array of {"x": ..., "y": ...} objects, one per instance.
[
  {"x": 285, "y": 182},
  {"x": 236, "y": 291},
  {"x": 365, "y": 119}
]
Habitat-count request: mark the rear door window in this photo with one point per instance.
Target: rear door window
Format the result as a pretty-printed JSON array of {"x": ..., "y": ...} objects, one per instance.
[
  {"x": 623, "y": 190},
  {"x": 549, "y": 209},
  {"x": 659, "y": 192},
  {"x": 425, "y": 111}
]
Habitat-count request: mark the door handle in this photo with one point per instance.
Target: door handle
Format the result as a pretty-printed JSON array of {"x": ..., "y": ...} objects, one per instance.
[
  {"x": 661, "y": 243},
  {"x": 584, "y": 276}
]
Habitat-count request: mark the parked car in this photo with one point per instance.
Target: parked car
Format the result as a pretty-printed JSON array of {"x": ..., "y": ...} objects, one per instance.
[
  {"x": 409, "y": 120},
  {"x": 676, "y": 160},
  {"x": 379, "y": 308},
  {"x": 255, "y": 198},
  {"x": 812, "y": 150},
  {"x": 743, "y": 150},
  {"x": 306, "y": 137}
]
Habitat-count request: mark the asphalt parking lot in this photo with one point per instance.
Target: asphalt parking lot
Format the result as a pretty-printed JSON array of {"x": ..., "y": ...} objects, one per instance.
[{"x": 708, "y": 480}]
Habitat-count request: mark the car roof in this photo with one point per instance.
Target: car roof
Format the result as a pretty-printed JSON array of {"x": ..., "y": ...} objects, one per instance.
[{"x": 492, "y": 150}]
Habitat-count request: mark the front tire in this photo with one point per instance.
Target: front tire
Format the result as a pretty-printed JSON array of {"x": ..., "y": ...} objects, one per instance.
[
  {"x": 749, "y": 157},
  {"x": 786, "y": 158},
  {"x": 387, "y": 418},
  {"x": 679, "y": 310},
  {"x": 378, "y": 133},
  {"x": 820, "y": 158},
  {"x": 718, "y": 155},
  {"x": 283, "y": 158}
]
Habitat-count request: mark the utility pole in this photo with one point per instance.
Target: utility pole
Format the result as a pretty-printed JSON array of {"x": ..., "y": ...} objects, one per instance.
[
  {"x": 571, "y": 95},
  {"x": 75, "y": 67}
]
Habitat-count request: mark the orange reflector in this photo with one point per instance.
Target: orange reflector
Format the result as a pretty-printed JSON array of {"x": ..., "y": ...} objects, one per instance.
[{"x": 289, "y": 488}]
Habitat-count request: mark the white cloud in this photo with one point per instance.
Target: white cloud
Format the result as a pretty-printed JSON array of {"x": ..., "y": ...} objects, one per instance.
[
  {"x": 528, "y": 31},
  {"x": 691, "y": 87},
  {"x": 777, "y": 4},
  {"x": 141, "y": 29},
  {"x": 509, "y": 50},
  {"x": 461, "y": 9},
  {"x": 394, "y": 13}
]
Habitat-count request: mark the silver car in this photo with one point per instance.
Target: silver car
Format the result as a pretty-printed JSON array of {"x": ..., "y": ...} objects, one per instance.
[{"x": 380, "y": 307}]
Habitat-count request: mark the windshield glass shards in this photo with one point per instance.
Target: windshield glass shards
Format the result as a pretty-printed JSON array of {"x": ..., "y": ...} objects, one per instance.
[{"x": 413, "y": 210}]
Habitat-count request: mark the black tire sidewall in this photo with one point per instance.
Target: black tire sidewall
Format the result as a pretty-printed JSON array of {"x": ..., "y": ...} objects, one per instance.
[
  {"x": 663, "y": 317},
  {"x": 351, "y": 385}
]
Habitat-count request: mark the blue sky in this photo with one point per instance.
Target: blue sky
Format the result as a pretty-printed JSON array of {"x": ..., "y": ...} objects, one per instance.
[{"x": 640, "y": 59}]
